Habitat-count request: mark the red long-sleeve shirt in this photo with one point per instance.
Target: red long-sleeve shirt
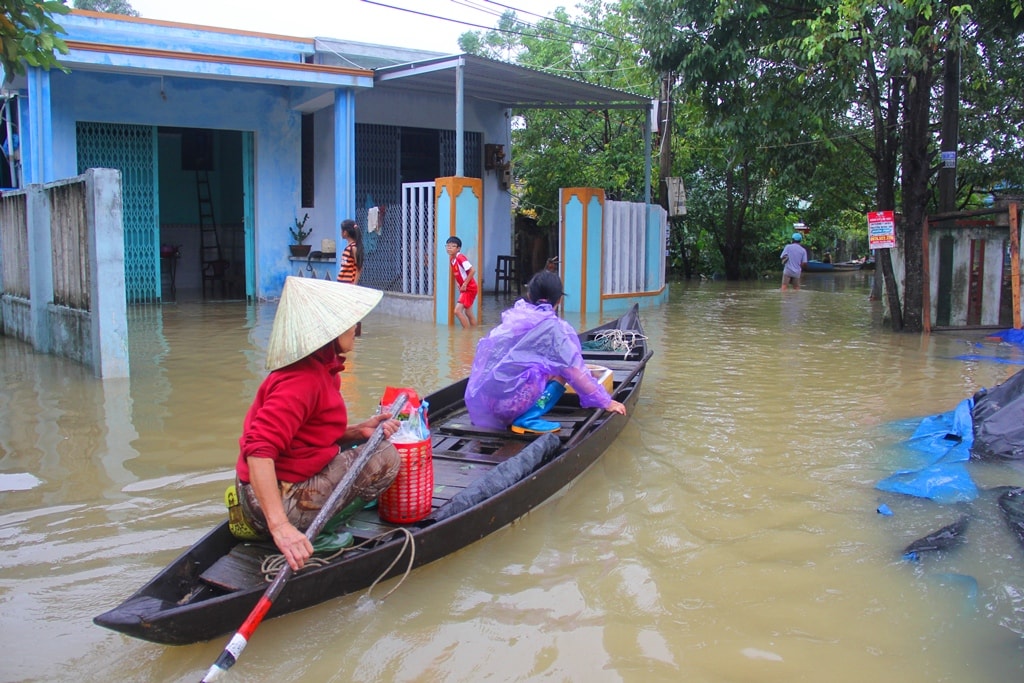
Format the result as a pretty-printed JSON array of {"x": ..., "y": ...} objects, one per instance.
[{"x": 297, "y": 418}]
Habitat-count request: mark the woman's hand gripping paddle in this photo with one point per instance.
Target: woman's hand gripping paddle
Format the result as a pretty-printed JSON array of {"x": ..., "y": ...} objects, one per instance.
[{"x": 234, "y": 648}]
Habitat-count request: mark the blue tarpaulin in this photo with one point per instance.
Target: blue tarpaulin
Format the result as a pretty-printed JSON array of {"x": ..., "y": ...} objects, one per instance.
[{"x": 933, "y": 459}]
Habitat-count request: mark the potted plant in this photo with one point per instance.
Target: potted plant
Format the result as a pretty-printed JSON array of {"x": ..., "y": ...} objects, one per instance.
[{"x": 299, "y": 234}]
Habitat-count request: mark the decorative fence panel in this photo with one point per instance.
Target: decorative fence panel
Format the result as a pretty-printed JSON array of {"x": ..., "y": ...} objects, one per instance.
[
  {"x": 70, "y": 240},
  {"x": 624, "y": 247},
  {"x": 418, "y": 238},
  {"x": 14, "y": 244}
]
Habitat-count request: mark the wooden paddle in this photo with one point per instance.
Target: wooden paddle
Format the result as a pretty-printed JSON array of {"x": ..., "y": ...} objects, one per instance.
[{"x": 234, "y": 648}]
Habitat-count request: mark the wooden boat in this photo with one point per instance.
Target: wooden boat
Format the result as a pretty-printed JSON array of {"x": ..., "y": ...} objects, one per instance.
[
  {"x": 822, "y": 267},
  {"x": 211, "y": 588}
]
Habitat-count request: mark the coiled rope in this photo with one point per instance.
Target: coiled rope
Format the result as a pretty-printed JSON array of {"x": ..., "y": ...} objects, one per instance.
[
  {"x": 272, "y": 564},
  {"x": 615, "y": 340}
]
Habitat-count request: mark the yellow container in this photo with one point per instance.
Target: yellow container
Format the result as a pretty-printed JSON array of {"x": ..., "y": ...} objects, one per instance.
[{"x": 602, "y": 374}]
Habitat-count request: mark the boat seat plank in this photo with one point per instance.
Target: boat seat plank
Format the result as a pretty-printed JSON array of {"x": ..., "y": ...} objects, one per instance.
[
  {"x": 468, "y": 429},
  {"x": 487, "y": 450},
  {"x": 455, "y": 473},
  {"x": 461, "y": 426},
  {"x": 607, "y": 358},
  {"x": 367, "y": 525},
  {"x": 617, "y": 365},
  {"x": 240, "y": 569}
]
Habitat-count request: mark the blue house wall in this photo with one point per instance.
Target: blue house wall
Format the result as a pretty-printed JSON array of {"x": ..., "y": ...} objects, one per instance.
[{"x": 171, "y": 90}]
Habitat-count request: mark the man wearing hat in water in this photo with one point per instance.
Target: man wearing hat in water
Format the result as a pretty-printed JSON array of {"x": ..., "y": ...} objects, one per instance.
[
  {"x": 296, "y": 442},
  {"x": 794, "y": 260}
]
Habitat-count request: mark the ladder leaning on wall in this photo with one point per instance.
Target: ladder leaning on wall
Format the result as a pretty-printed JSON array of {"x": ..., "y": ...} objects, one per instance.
[{"x": 211, "y": 258}]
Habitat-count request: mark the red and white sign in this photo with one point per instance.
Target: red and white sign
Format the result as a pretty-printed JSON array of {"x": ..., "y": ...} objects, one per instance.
[{"x": 881, "y": 230}]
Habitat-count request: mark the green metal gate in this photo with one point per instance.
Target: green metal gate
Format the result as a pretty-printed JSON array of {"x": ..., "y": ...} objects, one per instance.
[{"x": 133, "y": 151}]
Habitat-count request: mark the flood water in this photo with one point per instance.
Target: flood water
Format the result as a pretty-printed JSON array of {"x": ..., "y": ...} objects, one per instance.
[{"x": 729, "y": 534}]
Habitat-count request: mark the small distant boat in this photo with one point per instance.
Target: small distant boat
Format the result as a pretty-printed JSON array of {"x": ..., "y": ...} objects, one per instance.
[{"x": 822, "y": 267}]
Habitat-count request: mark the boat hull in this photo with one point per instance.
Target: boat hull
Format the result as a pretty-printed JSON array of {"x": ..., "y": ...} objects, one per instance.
[{"x": 176, "y": 607}]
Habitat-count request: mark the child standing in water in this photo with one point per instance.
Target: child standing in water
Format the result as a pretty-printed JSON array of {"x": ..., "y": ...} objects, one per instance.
[
  {"x": 462, "y": 271},
  {"x": 351, "y": 258}
]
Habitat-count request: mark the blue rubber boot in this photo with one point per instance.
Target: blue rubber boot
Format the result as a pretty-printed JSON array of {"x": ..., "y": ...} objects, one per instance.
[{"x": 530, "y": 422}]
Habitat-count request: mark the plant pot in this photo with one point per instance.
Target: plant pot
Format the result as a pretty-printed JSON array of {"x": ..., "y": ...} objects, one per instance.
[{"x": 300, "y": 249}]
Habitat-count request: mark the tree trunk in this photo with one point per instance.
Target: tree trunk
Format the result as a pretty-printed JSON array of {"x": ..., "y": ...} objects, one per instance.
[
  {"x": 883, "y": 97},
  {"x": 915, "y": 173},
  {"x": 886, "y": 142},
  {"x": 950, "y": 129},
  {"x": 732, "y": 242}
]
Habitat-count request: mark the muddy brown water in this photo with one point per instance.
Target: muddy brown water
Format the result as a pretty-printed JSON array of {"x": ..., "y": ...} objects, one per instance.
[{"x": 729, "y": 534}]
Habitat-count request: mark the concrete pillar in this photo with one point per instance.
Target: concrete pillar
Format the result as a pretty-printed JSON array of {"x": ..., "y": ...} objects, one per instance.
[
  {"x": 37, "y": 129},
  {"x": 109, "y": 314},
  {"x": 40, "y": 258},
  {"x": 458, "y": 210},
  {"x": 581, "y": 219},
  {"x": 344, "y": 161}
]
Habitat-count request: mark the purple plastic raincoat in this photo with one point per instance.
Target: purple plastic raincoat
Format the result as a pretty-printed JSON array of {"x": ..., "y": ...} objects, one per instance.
[{"x": 516, "y": 359}]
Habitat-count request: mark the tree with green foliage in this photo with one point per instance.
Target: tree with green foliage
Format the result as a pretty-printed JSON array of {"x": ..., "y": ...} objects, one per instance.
[
  {"x": 867, "y": 68},
  {"x": 755, "y": 119},
  {"x": 905, "y": 42},
  {"x": 122, "y": 7},
  {"x": 590, "y": 147},
  {"x": 29, "y": 35}
]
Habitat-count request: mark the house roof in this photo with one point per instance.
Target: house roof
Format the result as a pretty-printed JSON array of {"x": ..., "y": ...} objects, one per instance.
[
  {"x": 101, "y": 42},
  {"x": 510, "y": 85}
]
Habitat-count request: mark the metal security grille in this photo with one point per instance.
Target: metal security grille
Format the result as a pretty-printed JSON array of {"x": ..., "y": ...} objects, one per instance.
[
  {"x": 131, "y": 150},
  {"x": 472, "y": 154},
  {"x": 397, "y": 252},
  {"x": 379, "y": 184}
]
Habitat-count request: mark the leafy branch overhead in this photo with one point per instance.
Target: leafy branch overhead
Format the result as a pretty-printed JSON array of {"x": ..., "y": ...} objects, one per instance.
[{"x": 29, "y": 36}]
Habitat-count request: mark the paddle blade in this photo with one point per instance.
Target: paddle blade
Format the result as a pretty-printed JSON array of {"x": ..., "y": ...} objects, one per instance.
[
  {"x": 233, "y": 650},
  {"x": 227, "y": 658}
]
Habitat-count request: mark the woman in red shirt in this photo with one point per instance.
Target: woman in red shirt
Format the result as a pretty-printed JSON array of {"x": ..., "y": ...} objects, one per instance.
[{"x": 296, "y": 442}]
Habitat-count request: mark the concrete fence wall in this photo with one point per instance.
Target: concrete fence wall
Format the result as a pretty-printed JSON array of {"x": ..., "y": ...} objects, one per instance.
[{"x": 62, "y": 265}]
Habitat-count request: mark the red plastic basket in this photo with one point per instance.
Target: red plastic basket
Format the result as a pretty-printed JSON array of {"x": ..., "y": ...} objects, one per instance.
[{"x": 410, "y": 496}]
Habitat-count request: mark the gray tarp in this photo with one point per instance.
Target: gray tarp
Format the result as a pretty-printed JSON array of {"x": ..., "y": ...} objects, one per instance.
[{"x": 999, "y": 421}]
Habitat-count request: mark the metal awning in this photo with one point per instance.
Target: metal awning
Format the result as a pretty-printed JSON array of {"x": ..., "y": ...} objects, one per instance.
[{"x": 509, "y": 85}]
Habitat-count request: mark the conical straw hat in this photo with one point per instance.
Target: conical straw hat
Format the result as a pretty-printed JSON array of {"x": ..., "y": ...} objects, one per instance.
[{"x": 311, "y": 313}]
